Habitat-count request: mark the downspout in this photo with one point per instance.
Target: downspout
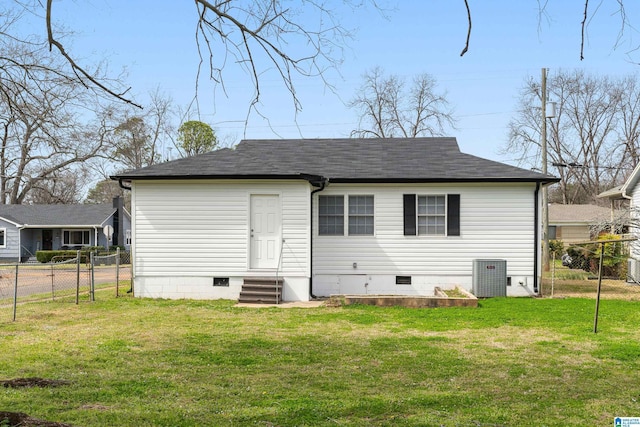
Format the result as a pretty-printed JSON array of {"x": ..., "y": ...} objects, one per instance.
[
  {"x": 322, "y": 183},
  {"x": 95, "y": 228},
  {"x": 536, "y": 238}
]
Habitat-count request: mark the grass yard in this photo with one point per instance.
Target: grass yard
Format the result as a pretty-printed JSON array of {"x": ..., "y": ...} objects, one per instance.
[{"x": 140, "y": 362}]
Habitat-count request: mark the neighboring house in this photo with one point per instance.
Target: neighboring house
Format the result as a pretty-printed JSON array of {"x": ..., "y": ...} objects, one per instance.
[
  {"x": 332, "y": 216},
  {"x": 26, "y": 229},
  {"x": 573, "y": 223},
  {"x": 630, "y": 191}
]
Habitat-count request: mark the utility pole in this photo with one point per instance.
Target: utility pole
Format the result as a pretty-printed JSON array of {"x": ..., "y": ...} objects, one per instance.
[{"x": 545, "y": 194}]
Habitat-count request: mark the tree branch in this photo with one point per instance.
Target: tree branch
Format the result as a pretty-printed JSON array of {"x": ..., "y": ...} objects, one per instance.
[
  {"x": 77, "y": 69},
  {"x": 466, "y": 45},
  {"x": 583, "y": 25}
]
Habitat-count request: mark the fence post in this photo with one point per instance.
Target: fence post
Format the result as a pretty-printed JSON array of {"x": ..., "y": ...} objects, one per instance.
[
  {"x": 77, "y": 277},
  {"x": 117, "y": 272},
  {"x": 15, "y": 295},
  {"x": 93, "y": 279},
  {"x": 53, "y": 289},
  {"x": 553, "y": 272},
  {"x": 595, "y": 320}
]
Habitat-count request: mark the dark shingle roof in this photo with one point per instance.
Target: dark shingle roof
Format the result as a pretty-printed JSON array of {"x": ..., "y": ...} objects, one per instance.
[
  {"x": 342, "y": 160},
  {"x": 89, "y": 215}
]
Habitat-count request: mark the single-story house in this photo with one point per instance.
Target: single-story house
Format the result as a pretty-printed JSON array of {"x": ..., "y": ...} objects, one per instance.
[
  {"x": 332, "y": 216},
  {"x": 574, "y": 223},
  {"x": 26, "y": 229}
]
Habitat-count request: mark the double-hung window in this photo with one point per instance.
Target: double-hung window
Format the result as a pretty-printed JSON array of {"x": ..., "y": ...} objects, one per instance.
[
  {"x": 431, "y": 215},
  {"x": 76, "y": 238},
  {"x": 360, "y": 215},
  {"x": 332, "y": 215}
]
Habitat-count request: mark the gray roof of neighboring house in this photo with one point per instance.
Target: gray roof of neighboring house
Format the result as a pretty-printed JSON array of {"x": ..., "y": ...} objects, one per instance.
[
  {"x": 342, "y": 160},
  {"x": 613, "y": 193},
  {"x": 587, "y": 214},
  {"x": 89, "y": 215}
]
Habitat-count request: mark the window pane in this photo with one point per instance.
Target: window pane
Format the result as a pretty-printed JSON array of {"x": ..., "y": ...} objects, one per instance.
[
  {"x": 361, "y": 225},
  {"x": 361, "y": 205},
  {"x": 2, "y": 237},
  {"x": 422, "y": 205}
]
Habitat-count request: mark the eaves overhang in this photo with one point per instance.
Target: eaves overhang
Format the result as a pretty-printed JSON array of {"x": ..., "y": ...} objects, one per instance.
[{"x": 349, "y": 180}]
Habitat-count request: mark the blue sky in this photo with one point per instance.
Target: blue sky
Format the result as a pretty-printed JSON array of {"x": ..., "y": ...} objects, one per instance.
[{"x": 510, "y": 42}]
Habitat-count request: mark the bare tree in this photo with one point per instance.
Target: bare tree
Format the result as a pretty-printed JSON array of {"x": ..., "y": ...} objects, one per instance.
[
  {"x": 591, "y": 136},
  {"x": 388, "y": 108},
  {"x": 104, "y": 192},
  {"x": 293, "y": 38},
  {"x": 141, "y": 138},
  {"x": 62, "y": 187},
  {"x": 629, "y": 128},
  {"x": 46, "y": 126}
]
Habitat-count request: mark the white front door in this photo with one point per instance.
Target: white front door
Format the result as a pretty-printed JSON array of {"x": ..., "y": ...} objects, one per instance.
[{"x": 265, "y": 231}]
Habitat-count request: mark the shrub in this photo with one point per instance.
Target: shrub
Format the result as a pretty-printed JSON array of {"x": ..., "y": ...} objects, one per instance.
[
  {"x": 556, "y": 247},
  {"x": 61, "y": 255},
  {"x": 587, "y": 258}
]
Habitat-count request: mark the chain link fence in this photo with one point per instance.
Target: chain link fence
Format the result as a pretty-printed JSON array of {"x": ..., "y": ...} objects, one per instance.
[
  {"x": 575, "y": 268},
  {"x": 62, "y": 280}
]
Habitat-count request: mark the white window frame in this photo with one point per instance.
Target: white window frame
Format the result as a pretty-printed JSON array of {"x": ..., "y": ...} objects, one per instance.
[
  {"x": 127, "y": 237},
  {"x": 333, "y": 215},
  {"x": 4, "y": 237},
  {"x": 77, "y": 230},
  {"x": 346, "y": 215},
  {"x": 431, "y": 215},
  {"x": 360, "y": 215}
]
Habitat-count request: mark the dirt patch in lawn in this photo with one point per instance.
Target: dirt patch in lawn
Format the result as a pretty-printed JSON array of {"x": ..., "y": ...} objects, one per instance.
[
  {"x": 33, "y": 382},
  {"x": 18, "y": 419}
]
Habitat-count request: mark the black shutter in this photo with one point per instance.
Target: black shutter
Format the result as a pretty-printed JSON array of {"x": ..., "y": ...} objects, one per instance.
[
  {"x": 409, "y": 203},
  {"x": 453, "y": 215}
]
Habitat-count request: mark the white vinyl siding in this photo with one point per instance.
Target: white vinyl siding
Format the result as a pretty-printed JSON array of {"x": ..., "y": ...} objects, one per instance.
[
  {"x": 496, "y": 221},
  {"x": 200, "y": 227},
  {"x": 10, "y": 250}
]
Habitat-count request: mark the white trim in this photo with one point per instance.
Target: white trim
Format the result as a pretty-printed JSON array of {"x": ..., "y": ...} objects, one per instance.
[{"x": 10, "y": 222}]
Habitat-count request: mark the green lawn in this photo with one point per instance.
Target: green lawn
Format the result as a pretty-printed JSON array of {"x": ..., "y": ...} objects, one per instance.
[{"x": 140, "y": 362}]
